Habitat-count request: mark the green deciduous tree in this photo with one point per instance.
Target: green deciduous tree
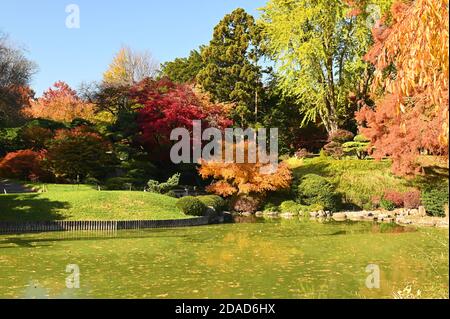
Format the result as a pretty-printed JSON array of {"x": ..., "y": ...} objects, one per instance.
[
  {"x": 231, "y": 72},
  {"x": 319, "y": 46}
]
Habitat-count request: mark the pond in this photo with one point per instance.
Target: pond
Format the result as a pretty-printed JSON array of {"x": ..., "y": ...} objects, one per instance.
[{"x": 271, "y": 259}]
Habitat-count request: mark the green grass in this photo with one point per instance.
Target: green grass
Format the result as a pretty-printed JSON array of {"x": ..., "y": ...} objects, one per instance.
[
  {"x": 360, "y": 180},
  {"x": 72, "y": 202}
]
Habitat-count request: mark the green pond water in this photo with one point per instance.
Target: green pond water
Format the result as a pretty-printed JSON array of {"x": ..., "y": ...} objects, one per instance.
[{"x": 273, "y": 259}]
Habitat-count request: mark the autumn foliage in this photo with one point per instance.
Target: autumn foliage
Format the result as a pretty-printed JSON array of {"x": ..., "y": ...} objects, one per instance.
[
  {"x": 246, "y": 178},
  {"x": 79, "y": 153},
  {"x": 60, "y": 103},
  {"x": 411, "y": 84},
  {"x": 23, "y": 165},
  {"x": 166, "y": 106}
]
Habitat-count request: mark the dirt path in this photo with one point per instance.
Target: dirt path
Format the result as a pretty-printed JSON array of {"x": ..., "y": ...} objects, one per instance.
[{"x": 8, "y": 187}]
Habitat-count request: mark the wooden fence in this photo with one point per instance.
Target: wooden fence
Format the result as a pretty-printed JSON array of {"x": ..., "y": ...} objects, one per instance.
[{"x": 53, "y": 226}]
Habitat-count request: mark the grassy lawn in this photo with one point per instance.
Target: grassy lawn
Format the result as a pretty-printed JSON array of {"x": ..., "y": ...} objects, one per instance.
[
  {"x": 72, "y": 202},
  {"x": 359, "y": 180}
]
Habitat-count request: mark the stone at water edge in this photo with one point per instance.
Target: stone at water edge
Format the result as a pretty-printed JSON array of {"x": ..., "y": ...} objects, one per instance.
[
  {"x": 287, "y": 215},
  {"x": 321, "y": 213},
  {"x": 339, "y": 216},
  {"x": 422, "y": 211},
  {"x": 446, "y": 212},
  {"x": 314, "y": 214},
  {"x": 414, "y": 212},
  {"x": 259, "y": 214}
]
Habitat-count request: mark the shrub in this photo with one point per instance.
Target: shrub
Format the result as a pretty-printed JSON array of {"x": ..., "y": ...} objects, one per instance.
[
  {"x": 302, "y": 153},
  {"x": 376, "y": 201},
  {"x": 271, "y": 207},
  {"x": 292, "y": 207},
  {"x": 161, "y": 188},
  {"x": 118, "y": 183},
  {"x": 171, "y": 193},
  {"x": 214, "y": 201},
  {"x": 316, "y": 190},
  {"x": 411, "y": 200},
  {"x": 361, "y": 139},
  {"x": 333, "y": 149},
  {"x": 192, "y": 206},
  {"x": 358, "y": 149},
  {"x": 387, "y": 204},
  {"x": 395, "y": 198},
  {"x": 341, "y": 136},
  {"x": 246, "y": 203},
  {"x": 434, "y": 200},
  {"x": 315, "y": 207}
]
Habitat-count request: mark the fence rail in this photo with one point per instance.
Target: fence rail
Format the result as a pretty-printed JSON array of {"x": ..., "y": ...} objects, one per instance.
[{"x": 54, "y": 226}]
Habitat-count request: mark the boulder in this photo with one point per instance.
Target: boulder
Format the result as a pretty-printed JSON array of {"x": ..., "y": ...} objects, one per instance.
[
  {"x": 259, "y": 214},
  {"x": 287, "y": 215},
  {"x": 314, "y": 214},
  {"x": 321, "y": 213},
  {"x": 422, "y": 211},
  {"x": 271, "y": 214},
  {"x": 413, "y": 212},
  {"x": 339, "y": 216}
]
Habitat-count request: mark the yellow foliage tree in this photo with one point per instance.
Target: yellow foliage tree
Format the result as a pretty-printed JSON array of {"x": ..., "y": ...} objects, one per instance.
[{"x": 129, "y": 67}]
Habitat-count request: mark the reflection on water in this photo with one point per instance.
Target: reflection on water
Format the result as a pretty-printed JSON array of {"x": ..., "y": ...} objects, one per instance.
[{"x": 253, "y": 259}]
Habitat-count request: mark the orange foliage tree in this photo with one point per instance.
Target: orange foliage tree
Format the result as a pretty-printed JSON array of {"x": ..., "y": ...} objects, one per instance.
[
  {"x": 60, "y": 103},
  {"x": 410, "y": 84},
  {"x": 246, "y": 180}
]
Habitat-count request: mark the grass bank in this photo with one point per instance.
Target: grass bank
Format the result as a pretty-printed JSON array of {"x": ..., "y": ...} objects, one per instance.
[
  {"x": 81, "y": 202},
  {"x": 360, "y": 180}
]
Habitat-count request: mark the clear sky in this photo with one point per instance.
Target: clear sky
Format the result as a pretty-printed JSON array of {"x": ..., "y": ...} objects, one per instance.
[{"x": 166, "y": 28}]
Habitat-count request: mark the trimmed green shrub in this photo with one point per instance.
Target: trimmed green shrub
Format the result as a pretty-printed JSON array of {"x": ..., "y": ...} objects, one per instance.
[
  {"x": 161, "y": 188},
  {"x": 192, "y": 206},
  {"x": 271, "y": 208},
  {"x": 291, "y": 207},
  {"x": 387, "y": 204},
  {"x": 316, "y": 190},
  {"x": 334, "y": 149},
  {"x": 361, "y": 139},
  {"x": 214, "y": 201},
  {"x": 434, "y": 200}
]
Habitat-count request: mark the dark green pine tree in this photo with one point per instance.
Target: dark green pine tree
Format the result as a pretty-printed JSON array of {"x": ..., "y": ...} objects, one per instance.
[
  {"x": 231, "y": 72},
  {"x": 184, "y": 70}
]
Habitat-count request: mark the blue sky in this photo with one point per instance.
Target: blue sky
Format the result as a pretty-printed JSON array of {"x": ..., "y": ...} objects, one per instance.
[{"x": 166, "y": 28}]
